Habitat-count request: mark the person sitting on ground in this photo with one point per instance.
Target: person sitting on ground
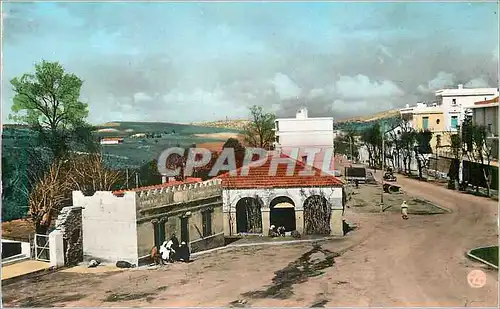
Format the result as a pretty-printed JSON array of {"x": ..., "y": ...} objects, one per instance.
[
  {"x": 183, "y": 253},
  {"x": 156, "y": 256},
  {"x": 281, "y": 231},
  {"x": 272, "y": 231}
]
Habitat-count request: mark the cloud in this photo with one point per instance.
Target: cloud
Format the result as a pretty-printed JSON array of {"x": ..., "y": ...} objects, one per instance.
[
  {"x": 360, "y": 86},
  {"x": 285, "y": 87},
  {"x": 208, "y": 61},
  {"x": 477, "y": 83},
  {"x": 442, "y": 80}
]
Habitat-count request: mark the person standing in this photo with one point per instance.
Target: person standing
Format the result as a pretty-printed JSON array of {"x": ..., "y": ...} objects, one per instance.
[{"x": 404, "y": 210}]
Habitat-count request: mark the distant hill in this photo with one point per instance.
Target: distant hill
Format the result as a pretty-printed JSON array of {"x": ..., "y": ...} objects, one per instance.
[
  {"x": 224, "y": 124},
  {"x": 127, "y": 128},
  {"x": 367, "y": 118}
]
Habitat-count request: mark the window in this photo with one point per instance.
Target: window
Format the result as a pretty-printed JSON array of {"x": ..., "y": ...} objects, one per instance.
[
  {"x": 304, "y": 159},
  {"x": 425, "y": 123},
  {"x": 454, "y": 122},
  {"x": 277, "y": 125},
  {"x": 454, "y": 101},
  {"x": 438, "y": 140},
  {"x": 438, "y": 121},
  {"x": 207, "y": 222},
  {"x": 277, "y": 139}
]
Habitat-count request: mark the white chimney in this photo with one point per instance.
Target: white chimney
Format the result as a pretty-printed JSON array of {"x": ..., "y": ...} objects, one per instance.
[
  {"x": 460, "y": 86},
  {"x": 302, "y": 113}
]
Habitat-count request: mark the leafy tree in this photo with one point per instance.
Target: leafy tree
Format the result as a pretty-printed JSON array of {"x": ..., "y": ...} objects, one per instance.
[
  {"x": 259, "y": 131},
  {"x": 48, "y": 101},
  {"x": 239, "y": 150},
  {"x": 343, "y": 143},
  {"x": 422, "y": 149},
  {"x": 149, "y": 175},
  {"x": 372, "y": 139}
]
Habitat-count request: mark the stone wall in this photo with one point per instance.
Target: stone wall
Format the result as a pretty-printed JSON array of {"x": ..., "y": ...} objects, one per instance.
[{"x": 69, "y": 223}]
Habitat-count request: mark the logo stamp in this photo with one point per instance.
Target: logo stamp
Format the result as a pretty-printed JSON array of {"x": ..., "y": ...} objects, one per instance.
[{"x": 476, "y": 279}]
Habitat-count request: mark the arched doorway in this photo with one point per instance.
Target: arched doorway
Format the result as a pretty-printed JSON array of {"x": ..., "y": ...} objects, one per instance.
[
  {"x": 282, "y": 213},
  {"x": 248, "y": 216},
  {"x": 317, "y": 214}
]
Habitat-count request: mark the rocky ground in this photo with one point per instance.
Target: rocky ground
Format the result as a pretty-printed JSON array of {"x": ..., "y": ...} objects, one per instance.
[{"x": 385, "y": 261}]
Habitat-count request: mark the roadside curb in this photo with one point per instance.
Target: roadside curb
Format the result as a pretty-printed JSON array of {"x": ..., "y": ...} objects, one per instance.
[
  {"x": 271, "y": 243},
  {"x": 472, "y": 256}
]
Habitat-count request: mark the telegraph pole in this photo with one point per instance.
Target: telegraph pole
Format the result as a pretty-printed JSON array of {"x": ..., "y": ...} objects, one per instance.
[
  {"x": 127, "y": 177},
  {"x": 383, "y": 168},
  {"x": 136, "y": 180}
]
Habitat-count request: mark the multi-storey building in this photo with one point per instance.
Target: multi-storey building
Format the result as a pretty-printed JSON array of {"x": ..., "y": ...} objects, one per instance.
[{"x": 303, "y": 132}]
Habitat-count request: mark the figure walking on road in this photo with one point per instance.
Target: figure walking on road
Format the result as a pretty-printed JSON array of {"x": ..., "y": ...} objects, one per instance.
[{"x": 404, "y": 210}]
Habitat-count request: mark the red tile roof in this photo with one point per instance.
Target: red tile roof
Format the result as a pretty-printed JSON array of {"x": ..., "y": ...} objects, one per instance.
[
  {"x": 494, "y": 100},
  {"x": 163, "y": 185},
  {"x": 258, "y": 177}
]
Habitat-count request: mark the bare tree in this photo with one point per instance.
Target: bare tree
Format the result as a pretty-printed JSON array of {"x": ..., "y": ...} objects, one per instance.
[
  {"x": 88, "y": 174},
  {"x": 52, "y": 190},
  {"x": 49, "y": 195}
]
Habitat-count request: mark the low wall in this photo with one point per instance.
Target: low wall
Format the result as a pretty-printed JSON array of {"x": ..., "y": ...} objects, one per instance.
[{"x": 109, "y": 226}]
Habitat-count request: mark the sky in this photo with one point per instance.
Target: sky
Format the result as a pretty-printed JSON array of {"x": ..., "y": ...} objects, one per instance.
[{"x": 191, "y": 62}]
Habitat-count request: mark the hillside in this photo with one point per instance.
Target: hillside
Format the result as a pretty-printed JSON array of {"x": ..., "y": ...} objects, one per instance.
[
  {"x": 127, "y": 128},
  {"x": 368, "y": 118},
  {"x": 224, "y": 124}
]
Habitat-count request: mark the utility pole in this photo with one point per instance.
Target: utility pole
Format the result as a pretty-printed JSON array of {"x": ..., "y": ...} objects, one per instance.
[
  {"x": 383, "y": 169},
  {"x": 127, "y": 176},
  {"x": 350, "y": 144},
  {"x": 136, "y": 180}
]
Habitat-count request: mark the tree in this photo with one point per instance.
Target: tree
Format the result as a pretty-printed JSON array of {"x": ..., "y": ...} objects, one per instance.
[
  {"x": 343, "y": 143},
  {"x": 422, "y": 149},
  {"x": 478, "y": 148},
  {"x": 88, "y": 174},
  {"x": 259, "y": 131},
  {"x": 53, "y": 189},
  {"x": 149, "y": 174},
  {"x": 239, "y": 150},
  {"x": 49, "y": 195},
  {"x": 372, "y": 139},
  {"x": 48, "y": 101}
]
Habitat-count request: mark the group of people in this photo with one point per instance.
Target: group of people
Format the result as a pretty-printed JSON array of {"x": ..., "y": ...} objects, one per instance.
[
  {"x": 171, "y": 251},
  {"x": 276, "y": 232}
]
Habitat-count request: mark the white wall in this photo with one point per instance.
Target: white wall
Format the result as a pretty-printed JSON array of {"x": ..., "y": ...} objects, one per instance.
[
  {"x": 109, "y": 226},
  {"x": 305, "y": 132},
  {"x": 25, "y": 246}
]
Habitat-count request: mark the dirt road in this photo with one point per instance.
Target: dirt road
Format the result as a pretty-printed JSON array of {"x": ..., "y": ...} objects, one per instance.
[{"x": 386, "y": 261}]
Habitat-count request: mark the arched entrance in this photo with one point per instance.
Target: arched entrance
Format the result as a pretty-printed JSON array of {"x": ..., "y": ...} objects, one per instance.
[
  {"x": 282, "y": 213},
  {"x": 248, "y": 216},
  {"x": 317, "y": 214}
]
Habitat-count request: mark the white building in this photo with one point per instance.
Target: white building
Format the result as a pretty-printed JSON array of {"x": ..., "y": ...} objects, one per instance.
[
  {"x": 457, "y": 102},
  {"x": 303, "y": 132},
  {"x": 111, "y": 141}
]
